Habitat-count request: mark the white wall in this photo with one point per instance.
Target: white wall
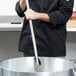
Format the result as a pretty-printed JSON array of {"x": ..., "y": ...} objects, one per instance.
[
  {"x": 74, "y": 5},
  {"x": 7, "y": 7}
]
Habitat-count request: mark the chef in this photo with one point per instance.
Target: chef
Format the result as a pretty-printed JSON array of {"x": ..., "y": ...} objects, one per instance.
[{"x": 49, "y": 22}]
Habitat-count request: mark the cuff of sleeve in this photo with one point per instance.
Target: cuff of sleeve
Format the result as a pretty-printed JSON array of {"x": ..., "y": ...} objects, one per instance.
[
  {"x": 53, "y": 18},
  {"x": 19, "y": 10}
]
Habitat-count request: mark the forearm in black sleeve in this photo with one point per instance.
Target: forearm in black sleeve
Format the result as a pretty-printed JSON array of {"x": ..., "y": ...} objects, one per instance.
[
  {"x": 19, "y": 11},
  {"x": 63, "y": 14}
]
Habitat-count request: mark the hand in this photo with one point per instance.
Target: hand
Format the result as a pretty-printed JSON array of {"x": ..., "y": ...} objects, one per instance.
[{"x": 31, "y": 14}]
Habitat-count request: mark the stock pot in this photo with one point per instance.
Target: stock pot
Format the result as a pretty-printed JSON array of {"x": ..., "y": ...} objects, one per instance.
[{"x": 26, "y": 66}]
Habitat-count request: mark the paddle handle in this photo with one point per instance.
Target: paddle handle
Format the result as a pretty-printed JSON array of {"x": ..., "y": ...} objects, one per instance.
[{"x": 33, "y": 36}]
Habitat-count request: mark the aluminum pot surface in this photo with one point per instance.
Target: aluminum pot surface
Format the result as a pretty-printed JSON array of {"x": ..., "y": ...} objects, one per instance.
[{"x": 26, "y": 66}]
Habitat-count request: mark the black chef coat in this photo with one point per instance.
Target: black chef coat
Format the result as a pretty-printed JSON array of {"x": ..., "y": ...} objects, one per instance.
[{"x": 50, "y": 37}]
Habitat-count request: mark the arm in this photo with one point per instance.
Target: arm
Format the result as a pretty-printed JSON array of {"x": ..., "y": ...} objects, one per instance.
[
  {"x": 56, "y": 17},
  {"x": 33, "y": 15},
  {"x": 22, "y": 4},
  {"x": 43, "y": 17},
  {"x": 63, "y": 14},
  {"x": 20, "y": 8}
]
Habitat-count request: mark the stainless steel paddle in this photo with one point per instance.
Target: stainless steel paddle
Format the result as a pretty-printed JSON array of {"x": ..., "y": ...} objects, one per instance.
[{"x": 33, "y": 37}]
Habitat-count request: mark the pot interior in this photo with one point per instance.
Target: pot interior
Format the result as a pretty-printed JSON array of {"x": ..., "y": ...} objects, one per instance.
[{"x": 28, "y": 64}]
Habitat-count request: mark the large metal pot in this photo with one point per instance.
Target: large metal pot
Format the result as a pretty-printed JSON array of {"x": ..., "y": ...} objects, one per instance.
[{"x": 25, "y": 66}]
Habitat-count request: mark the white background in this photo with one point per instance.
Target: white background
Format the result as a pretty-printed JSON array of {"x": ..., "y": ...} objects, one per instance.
[
  {"x": 74, "y": 5},
  {"x": 7, "y": 7}
]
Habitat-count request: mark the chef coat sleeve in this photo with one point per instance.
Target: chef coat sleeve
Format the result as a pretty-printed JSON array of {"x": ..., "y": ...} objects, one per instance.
[
  {"x": 64, "y": 12},
  {"x": 19, "y": 11}
]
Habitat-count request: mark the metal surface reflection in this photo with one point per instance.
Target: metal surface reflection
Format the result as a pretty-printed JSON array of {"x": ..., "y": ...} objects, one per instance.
[{"x": 26, "y": 66}]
